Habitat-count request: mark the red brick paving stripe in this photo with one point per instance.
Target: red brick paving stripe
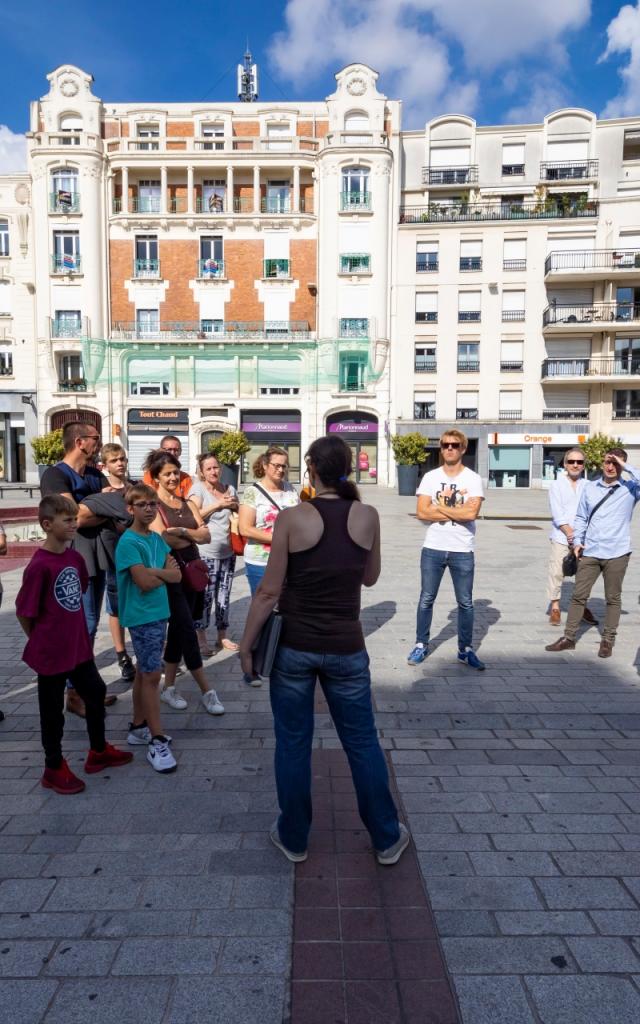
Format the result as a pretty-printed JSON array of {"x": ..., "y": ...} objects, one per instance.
[{"x": 365, "y": 945}]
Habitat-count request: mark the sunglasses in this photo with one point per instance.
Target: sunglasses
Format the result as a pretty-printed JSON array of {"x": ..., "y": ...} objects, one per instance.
[
  {"x": 450, "y": 444},
  {"x": 145, "y": 504},
  {"x": 575, "y": 462}
]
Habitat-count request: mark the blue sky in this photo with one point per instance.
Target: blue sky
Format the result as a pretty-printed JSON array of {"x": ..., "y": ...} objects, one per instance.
[{"x": 498, "y": 60}]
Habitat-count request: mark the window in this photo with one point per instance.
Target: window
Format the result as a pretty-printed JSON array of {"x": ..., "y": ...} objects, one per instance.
[
  {"x": 631, "y": 145},
  {"x": 512, "y": 159},
  {"x": 469, "y": 307},
  {"x": 212, "y": 131},
  {"x": 627, "y": 303},
  {"x": 426, "y": 257},
  {"x": 67, "y": 323},
  {"x": 511, "y": 356},
  {"x": 147, "y": 322},
  {"x": 70, "y": 126},
  {"x": 354, "y": 327},
  {"x": 277, "y": 268},
  {"x": 211, "y": 258},
  {"x": 514, "y": 254},
  {"x": 425, "y": 360},
  {"x": 6, "y": 363},
  {"x": 4, "y": 237},
  {"x": 70, "y": 369},
  {"x": 449, "y": 165},
  {"x": 279, "y": 137},
  {"x": 353, "y": 371},
  {"x": 278, "y": 197},
  {"x": 148, "y": 131},
  {"x": 148, "y": 196},
  {"x": 424, "y": 405},
  {"x": 510, "y": 405},
  {"x": 468, "y": 357},
  {"x": 150, "y": 377},
  {"x": 426, "y": 307},
  {"x": 627, "y": 355},
  {"x": 355, "y": 188},
  {"x": 147, "y": 263},
  {"x": 513, "y": 307},
  {"x": 356, "y": 121},
  {"x": 466, "y": 405},
  {"x": 279, "y": 376},
  {"x": 355, "y": 263},
  {"x": 213, "y": 193},
  {"x": 66, "y": 252},
  {"x": 626, "y": 405},
  {"x": 212, "y": 326},
  {"x": 470, "y": 255},
  {"x": 5, "y": 298},
  {"x": 64, "y": 191}
]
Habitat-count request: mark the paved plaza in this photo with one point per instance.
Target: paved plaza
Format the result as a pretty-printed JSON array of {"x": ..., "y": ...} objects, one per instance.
[{"x": 159, "y": 899}]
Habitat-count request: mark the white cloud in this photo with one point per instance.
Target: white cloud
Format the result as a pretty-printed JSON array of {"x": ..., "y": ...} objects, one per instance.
[
  {"x": 13, "y": 151},
  {"x": 408, "y": 41},
  {"x": 540, "y": 95},
  {"x": 623, "y": 36}
]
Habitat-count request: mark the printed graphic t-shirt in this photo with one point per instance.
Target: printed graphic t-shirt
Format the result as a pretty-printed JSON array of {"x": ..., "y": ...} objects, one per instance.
[
  {"x": 135, "y": 607},
  {"x": 51, "y": 593},
  {"x": 256, "y": 553},
  {"x": 451, "y": 492}
]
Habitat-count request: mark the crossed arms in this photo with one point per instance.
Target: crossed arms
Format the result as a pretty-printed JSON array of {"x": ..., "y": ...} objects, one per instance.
[{"x": 430, "y": 513}]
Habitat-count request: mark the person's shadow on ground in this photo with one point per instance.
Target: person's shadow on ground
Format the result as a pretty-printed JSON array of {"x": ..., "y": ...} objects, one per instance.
[
  {"x": 377, "y": 615},
  {"x": 485, "y": 616}
]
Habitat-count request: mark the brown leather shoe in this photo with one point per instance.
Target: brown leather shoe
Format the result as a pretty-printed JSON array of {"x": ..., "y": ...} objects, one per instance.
[
  {"x": 75, "y": 704},
  {"x": 554, "y": 617},
  {"x": 606, "y": 649},
  {"x": 588, "y": 616},
  {"x": 563, "y": 644}
]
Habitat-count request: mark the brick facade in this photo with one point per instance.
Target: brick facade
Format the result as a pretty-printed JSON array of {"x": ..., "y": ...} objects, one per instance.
[
  {"x": 305, "y": 270},
  {"x": 120, "y": 264},
  {"x": 244, "y": 265},
  {"x": 178, "y": 260}
]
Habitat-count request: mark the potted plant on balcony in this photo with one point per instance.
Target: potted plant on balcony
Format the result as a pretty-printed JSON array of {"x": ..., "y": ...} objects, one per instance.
[
  {"x": 409, "y": 451},
  {"x": 47, "y": 450},
  {"x": 228, "y": 450}
]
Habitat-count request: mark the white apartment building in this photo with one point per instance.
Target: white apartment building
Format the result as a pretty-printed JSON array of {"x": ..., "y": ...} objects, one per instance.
[
  {"x": 517, "y": 302},
  {"x": 18, "y": 410},
  {"x": 208, "y": 266}
]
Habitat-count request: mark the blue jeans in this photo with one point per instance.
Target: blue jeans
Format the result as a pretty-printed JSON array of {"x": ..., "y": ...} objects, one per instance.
[
  {"x": 254, "y": 575},
  {"x": 346, "y": 683},
  {"x": 461, "y": 567}
]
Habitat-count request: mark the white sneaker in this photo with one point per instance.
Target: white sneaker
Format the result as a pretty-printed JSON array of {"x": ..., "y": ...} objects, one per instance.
[
  {"x": 211, "y": 703},
  {"x": 138, "y": 737},
  {"x": 160, "y": 757},
  {"x": 171, "y": 697}
]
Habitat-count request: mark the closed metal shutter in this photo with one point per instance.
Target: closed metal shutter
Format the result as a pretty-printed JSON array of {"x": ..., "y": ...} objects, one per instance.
[{"x": 141, "y": 444}]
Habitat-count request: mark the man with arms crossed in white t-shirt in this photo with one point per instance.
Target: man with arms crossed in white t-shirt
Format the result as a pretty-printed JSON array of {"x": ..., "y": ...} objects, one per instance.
[{"x": 449, "y": 500}]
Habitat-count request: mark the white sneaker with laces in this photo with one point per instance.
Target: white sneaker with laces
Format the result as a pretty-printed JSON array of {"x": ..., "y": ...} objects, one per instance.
[
  {"x": 140, "y": 736},
  {"x": 171, "y": 697},
  {"x": 160, "y": 757},
  {"x": 211, "y": 703}
]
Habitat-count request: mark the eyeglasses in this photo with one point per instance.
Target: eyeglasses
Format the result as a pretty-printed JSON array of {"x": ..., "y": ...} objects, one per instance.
[
  {"x": 575, "y": 462},
  {"x": 145, "y": 504},
  {"x": 280, "y": 465},
  {"x": 90, "y": 437},
  {"x": 173, "y": 451},
  {"x": 450, "y": 444}
]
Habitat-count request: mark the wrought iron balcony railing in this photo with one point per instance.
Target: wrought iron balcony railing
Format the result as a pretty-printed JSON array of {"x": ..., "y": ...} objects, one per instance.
[
  {"x": 229, "y": 329},
  {"x": 424, "y": 364},
  {"x": 616, "y": 366},
  {"x": 514, "y": 264},
  {"x": 471, "y": 263},
  {"x": 461, "y": 175},
  {"x": 592, "y": 259},
  {"x": 210, "y": 268},
  {"x": 466, "y": 414},
  {"x": 468, "y": 366},
  {"x": 78, "y": 384},
  {"x": 510, "y": 414},
  {"x": 469, "y": 316},
  {"x": 509, "y": 315},
  {"x": 425, "y": 265},
  {"x": 354, "y": 201},
  {"x": 512, "y": 170},
  {"x": 565, "y": 414},
  {"x": 451, "y": 212},
  {"x": 590, "y": 312},
  {"x": 68, "y": 327},
  {"x": 63, "y": 263},
  {"x": 632, "y": 413},
  {"x": 355, "y": 263},
  {"x": 146, "y": 268},
  {"x": 64, "y": 202},
  {"x": 568, "y": 170},
  {"x": 511, "y": 365},
  {"x": 424, "y": 411},
  {"x": 427, "y": 318}
]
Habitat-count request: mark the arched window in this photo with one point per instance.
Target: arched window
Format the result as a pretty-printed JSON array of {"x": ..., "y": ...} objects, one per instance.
[
  {"x": 356, "y": 121},
  {"x": 355, "y": 188},
  {"x": 70, "y": 123}
]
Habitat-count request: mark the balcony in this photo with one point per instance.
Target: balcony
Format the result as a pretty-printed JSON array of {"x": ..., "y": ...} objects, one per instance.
[
  {"x": 352, "y": 385},
  {"x": 64, "y": 202},
  {"x": 510, "y": 414},
  {"x": 355, "y": 202},
  {"x": 427, "y": 265},
  {"x": 73, "y": 384},
  {"x": 461, "y": 175},
  {"x": 566, "y": 414},
  {"x": 514, "y": 265},
  {"x": 425, "y": 364},
  {"x": 232, "y": 330},
  {"x": 424, "y": 411},
  {"x": 62, "y": 328},
  {"x": 63, "y": 263},
  {"x": 596, "y": 264},
  {"x": 217, "y": 204},
  {"x": 466, "y": 414},
  {"x": 353, "y": 328},
  {"x": 441, "y": 213},
  {"x": 626, "y": 414},
  {"x": 511, "y": 315},
  {"x": 602, "y": 367},
  {"x": 210, "y": 268},
  {"x": 468, "y": 366},
  {"x": 469, "y": 316},
  {"x": 146, "y": 268},
  {"x": 277, "y": 270},
  {"x": 471, "y": 263},
  {"x": 427, "y": 318},
  {"x": 355, "y": 263},
  {"x": 512, "y": 170},
  {"x": 511, "y": 365},
  {"x": 599, "y": 314},
  {"x": 568, "y": 170}
]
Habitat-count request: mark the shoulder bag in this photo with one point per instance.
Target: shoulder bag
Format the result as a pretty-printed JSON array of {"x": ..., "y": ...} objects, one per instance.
[
  {"x": 266, "y": 645},
  {"x": 237, "y": 541},
  {"x": 195, "y": 574},
  {"x": 570, "y": 561}
]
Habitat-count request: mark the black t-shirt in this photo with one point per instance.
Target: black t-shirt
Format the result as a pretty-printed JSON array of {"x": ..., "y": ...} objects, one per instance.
[{"x": 62, "y": 479}]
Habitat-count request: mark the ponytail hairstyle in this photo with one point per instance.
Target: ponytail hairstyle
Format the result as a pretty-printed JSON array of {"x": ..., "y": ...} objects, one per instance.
[
  {"x": 264, "y": 458},
  {"x": 332, "y": 463}
]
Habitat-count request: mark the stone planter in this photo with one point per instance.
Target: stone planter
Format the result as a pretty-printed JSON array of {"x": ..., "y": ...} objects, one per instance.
[
  {"x": 407, "y": 480},
  {"x": 229, "y": 474}
]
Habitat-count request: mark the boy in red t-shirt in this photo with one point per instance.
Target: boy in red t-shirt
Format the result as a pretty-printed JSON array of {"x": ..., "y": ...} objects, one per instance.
[{"x": 49, "y": 609}]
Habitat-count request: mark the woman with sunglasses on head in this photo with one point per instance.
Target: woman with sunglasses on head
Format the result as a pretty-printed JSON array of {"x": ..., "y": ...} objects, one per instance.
[
  {"x": 564, "y": 496},
  {"x": 326, "y": 549},
  {"x": 215, "y": 502},
  {"x": 181, "y": 526},
  {"x": 261, "y": 504}
]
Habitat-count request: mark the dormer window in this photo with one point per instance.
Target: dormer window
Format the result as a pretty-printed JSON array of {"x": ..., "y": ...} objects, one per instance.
[
  {"x": 278, "y": 136},
  {"x": 213, "y": 134},
  {"x": 148, "y": 130},
  {"x": 71, "y": 125}
]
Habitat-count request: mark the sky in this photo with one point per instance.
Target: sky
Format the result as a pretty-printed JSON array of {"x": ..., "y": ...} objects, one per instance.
[{"x": 500, "y": 61}]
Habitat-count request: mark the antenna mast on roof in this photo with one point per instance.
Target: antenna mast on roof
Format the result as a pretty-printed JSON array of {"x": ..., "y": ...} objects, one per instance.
[{"x": 247, "y": 79}]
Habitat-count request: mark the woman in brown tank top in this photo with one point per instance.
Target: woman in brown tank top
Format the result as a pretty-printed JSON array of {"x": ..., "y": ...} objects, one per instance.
[{"x": 323, "y": 552}]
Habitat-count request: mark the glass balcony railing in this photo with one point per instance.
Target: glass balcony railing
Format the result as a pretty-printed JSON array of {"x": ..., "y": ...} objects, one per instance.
[
  {"x": 354, "y": 201},
  {"x": 63, "y": 263},
  {"x": 277, "y": 269},
  {"x": 146, "y": 268},
  {"x": 64, "y": 202},
  {"x": 451, "y": 212},
  {"x": 145, "y": 204},
  {"x": 212, "y": 204},
  {"x": 210, "y": 268}
]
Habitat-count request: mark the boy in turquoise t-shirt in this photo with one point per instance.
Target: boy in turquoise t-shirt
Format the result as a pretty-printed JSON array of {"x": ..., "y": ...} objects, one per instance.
[{"x": 144, "y": 565}]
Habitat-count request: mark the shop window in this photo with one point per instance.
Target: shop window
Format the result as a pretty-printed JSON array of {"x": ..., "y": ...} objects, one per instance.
[{"x": 509, "y": 466}]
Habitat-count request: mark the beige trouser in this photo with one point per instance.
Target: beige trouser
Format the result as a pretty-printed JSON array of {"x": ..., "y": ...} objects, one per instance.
[
  {"x": 613, "y": 570},
  {"x": 555, "y": 577}
]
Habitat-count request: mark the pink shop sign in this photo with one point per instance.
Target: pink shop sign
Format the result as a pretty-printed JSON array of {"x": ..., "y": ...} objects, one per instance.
[{"x": 351, "y": 427}]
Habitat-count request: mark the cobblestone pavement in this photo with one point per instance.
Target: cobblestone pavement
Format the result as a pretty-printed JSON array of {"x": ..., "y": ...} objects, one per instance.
[{"x": 155, "y": 900}]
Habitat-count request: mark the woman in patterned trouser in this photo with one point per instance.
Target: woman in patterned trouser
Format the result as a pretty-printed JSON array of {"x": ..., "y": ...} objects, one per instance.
[{"x": 215, "y": 502}]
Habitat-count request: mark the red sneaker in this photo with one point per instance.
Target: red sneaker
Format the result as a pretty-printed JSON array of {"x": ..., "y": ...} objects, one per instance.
[
  {"x": 62, "y": 780},
  {"x": 110, "y": 757}
]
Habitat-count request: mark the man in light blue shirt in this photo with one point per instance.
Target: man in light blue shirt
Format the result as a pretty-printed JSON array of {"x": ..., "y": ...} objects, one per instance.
[
  {"x": 602, "y": 543},
  {"x": 564, "y": 496}
]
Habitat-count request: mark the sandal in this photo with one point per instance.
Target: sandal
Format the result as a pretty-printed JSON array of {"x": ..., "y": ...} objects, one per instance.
[{"x": 228, "y": 645}]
